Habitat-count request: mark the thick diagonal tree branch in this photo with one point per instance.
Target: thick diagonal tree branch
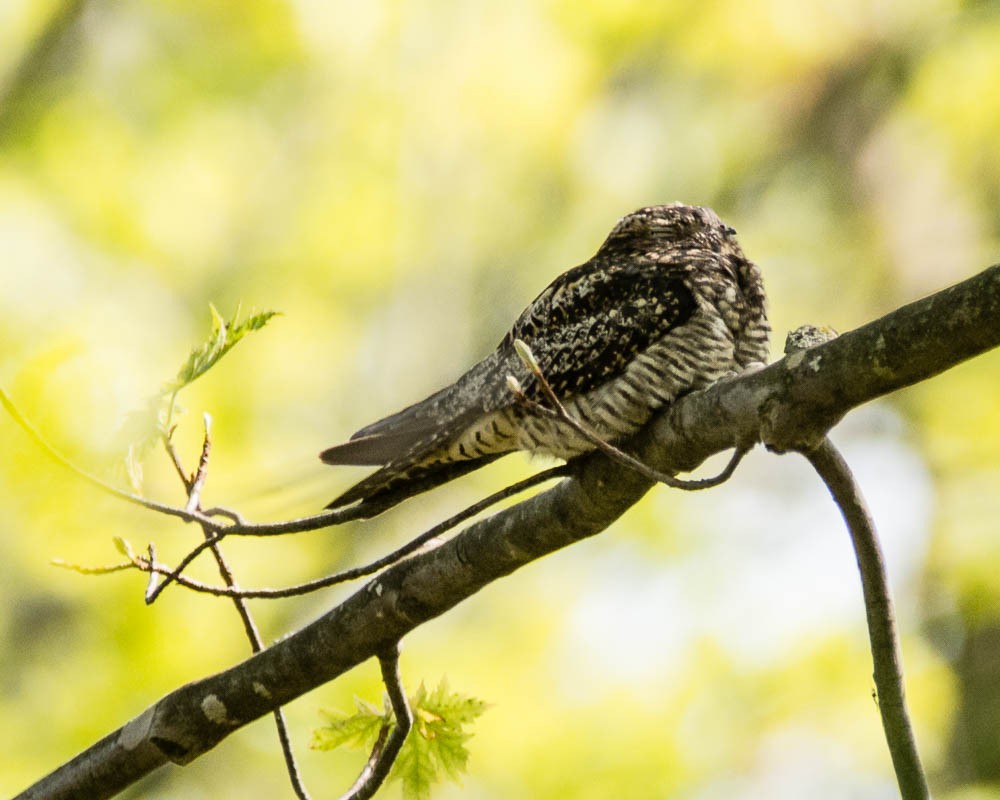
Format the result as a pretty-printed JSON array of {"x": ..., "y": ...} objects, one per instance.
[{"x": 789, "y": 405}]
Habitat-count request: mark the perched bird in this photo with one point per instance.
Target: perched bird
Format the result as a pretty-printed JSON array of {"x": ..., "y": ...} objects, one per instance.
[{"x": 668, "y": 304}]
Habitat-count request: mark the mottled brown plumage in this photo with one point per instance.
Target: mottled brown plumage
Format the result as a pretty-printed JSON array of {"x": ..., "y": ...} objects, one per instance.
[{"x": 669, "y": 304}]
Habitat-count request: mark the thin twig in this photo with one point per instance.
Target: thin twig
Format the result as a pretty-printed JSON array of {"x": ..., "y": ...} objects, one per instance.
[
  {"x": 386, "y": 748},
  {"x": 197, "y": 482},
  {"x": 175, "y": 459},
  {"x": 93, "y": 480},
  {"x": 212, "y": 537},
  {"x": 291, "y": 764},
  {"x": 314, "y": 522},
  {"x": 239, "y": 526},
  {"x": 151, "y": 584},
  {"x": 888, "y": 670},
  {"x": 219, "y": 511},
  {"x": 176, "y": 574},
  {"x": 256, "y": 645},
  {"x": 558, "y": 411}
]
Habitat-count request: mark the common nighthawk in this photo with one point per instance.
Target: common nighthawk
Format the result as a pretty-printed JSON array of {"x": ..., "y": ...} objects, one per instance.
[{"x": 669, "y": 304}]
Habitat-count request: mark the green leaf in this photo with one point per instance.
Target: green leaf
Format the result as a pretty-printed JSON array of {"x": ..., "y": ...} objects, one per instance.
[
  {"x": 84, "y": 570},
  {"x": 358, "y": 730},
  {"x": 415, "y": 767},
  {"x": 457, "y": 709},
  {"x": 442, "y": 716},
  {"x": 202, "y": 356}
]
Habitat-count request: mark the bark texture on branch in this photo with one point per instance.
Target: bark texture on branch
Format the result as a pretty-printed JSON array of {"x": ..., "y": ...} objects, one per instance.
[{"x": 788, "y": 405}]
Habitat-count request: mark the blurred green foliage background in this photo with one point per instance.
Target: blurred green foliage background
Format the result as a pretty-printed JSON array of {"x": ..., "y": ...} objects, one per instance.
[{"x": 400, "y": 179}]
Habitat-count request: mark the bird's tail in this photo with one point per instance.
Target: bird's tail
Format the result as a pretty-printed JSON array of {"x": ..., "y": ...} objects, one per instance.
[
  {"x": 396, "y": 482},
  {"x": 415, "y": 447},
  {"x": 412, "y": 449}
]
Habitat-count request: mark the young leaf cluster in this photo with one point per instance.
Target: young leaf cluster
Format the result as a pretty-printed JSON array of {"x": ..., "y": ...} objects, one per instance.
[
  {"x": 221, "y": 340},
  {"x": 146, "y": 426},
  {"x": 435, "y": 748}
]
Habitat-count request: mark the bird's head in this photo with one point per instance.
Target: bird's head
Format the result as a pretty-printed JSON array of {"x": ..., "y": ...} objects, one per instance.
[
  {"x": 692, "y": 237},
  {"x": 673, "y": 224}
]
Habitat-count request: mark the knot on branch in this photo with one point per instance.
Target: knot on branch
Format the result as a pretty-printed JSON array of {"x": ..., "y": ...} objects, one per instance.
[{"x": 792, "y": 427}]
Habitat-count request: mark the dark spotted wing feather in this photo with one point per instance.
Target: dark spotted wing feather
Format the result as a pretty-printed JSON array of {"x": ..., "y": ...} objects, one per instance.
[{"x": 584, "y": 329}]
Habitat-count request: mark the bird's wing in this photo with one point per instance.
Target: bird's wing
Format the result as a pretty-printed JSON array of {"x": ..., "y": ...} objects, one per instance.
[
  {"x": 588, "y": 325},
  {"x": 584, "y": 329}
]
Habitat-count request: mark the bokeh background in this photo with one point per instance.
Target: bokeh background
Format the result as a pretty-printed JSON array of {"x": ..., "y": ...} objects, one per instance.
[{"x": 400, "y": 179}]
